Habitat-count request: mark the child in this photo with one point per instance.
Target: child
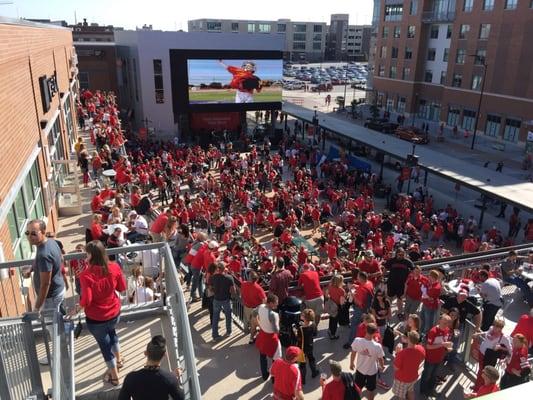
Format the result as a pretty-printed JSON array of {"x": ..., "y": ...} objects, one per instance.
[
  {"x": 490, "y": 376},
  {"x": 244, "y": 81},
  {"x": 305, "y": 342}
]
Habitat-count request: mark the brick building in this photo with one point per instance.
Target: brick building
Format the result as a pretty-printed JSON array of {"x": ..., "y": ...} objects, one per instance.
[
  {"x": 38, "y": 88},
  {"x": 432, "y": 56}
]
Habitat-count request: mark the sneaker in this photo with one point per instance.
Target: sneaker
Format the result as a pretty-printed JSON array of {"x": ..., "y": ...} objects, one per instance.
[
  {"x": 217, "y": 338},
  {"x": 382, "y": 384}
]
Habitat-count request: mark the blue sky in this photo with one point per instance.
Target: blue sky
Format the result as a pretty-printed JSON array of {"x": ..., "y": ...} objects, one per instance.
[
  {"x": 206, "y": 71},
  {"x": 173, "y": 14}
]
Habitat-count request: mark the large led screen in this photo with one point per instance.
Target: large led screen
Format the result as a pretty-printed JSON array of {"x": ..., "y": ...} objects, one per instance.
[{"x": 234, "y": 81}]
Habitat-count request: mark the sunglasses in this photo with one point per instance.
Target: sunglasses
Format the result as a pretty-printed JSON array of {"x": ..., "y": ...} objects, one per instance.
[{"x": 32, "y": 233}]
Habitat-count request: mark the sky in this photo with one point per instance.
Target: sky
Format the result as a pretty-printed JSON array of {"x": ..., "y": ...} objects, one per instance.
[{"x": 174, "y": 14}]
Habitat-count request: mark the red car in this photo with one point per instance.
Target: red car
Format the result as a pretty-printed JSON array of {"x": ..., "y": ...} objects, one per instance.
[{"x": 412, "y": 134}]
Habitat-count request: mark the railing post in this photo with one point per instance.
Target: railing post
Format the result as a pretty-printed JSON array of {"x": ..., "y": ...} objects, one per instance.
[
  {"x": 4, "y": 385},
  {"x": 32, "y": 359}
]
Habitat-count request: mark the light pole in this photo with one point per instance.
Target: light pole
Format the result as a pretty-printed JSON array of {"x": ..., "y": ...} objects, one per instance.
[
  {"x": 345, "y": 82},
  {"x": 409, "y": 181},
  {"x": 484, "y": 64}
]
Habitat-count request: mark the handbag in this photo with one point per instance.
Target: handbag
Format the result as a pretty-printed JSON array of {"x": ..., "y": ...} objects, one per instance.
[
  {"x": 78, "y": 328},
  {"x": 331, "y": 308},
  {"x": 301, "y": 356}
]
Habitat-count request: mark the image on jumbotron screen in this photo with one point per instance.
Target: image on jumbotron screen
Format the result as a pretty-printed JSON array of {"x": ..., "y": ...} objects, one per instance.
[{"x": 223, "y": 81}]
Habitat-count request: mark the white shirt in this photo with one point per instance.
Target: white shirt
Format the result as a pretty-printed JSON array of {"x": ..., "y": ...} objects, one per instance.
[
  {"x": 368, "y": 353},
  {"x": 491, "y": 292},
  {"x": 491, "y": 339},
  {"x": 268, "y": 319},
  {"x": 140, "y": 225}
]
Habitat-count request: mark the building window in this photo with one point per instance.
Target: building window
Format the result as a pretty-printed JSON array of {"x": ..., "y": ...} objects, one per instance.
[
  {"x": 317, "y": 46},
  {"x": 449, "y": 29},
  {"x": 512, "y": 130},
  {"x": 468, "y": 5},
  {"x": 83, "y": 78},
  {"x": 476, "y": 82},
  {"x": 317, "y": 28},
  {"x": 393, "y": 12},
  {"x": 411, "y": 31},
  {"x": 317, "y": 37},
  {"x": 443, "y": 77},
  {"x": 431, "y": 54},
  {"x": 383, "y": 51},
  {"x": 397, "y": 30},
  {"x": 298, "y": 45},
  {"x": 235, "y": 26},
  {"x": 481, "y": 55},
  {"x": 457, "y": 80},
  {"x": 428, "y": 76},
  {"x": 492, "y": 127},
  {"x": 510, "y": 4},
  {"x": 460, "y": 56},
  {"x": 400, "y": 105},
  {"x": 300, "y": 28},
  {"x": 408, "y": 53},
  {"x": 385, "y": 33},
  {"x": 394, "y": 52},
  {"x": 264, "y": 28},
  {"x": 530, "y": 3},
  {"x": 488, "y": 5},
  {"x": 446, "y": 54},
  {"x": 434, "y": 32},
  {"x": 406, "y": 72},
  {"x": 282, "y": 28},
  {"x": 214, "y": 26},
  {"x": 453, "y": 115},
  {"x": 463, "y": 31},
  {"x": 251, "y": 28},
  {"x": 158, "y": 82},
  {"x": 484, "y": 31},
  {"x": 299, "y": 37},
  {"x": 469, "y": 119},
  {"x": 381, "y": 70},
  {"x": 393, "y": 72},
  {"x": 413, "y": 7}
]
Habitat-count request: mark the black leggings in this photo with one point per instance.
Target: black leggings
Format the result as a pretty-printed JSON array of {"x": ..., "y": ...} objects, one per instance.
[
  {"x": 333, "y": 324},
  {"x": 309, "y": 358}
]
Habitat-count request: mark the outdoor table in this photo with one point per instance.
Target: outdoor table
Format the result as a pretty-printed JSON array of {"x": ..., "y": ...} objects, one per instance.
[
  {"x": 298, "y": 241},
  {"x": 527, "y": 271},
  {"x": 455, "y": 285}
]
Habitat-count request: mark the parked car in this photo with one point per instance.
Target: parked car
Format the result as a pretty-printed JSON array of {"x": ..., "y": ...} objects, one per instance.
[
  {"x": 322, "y": 87},
  {"x": 381, "y": 125},
  {"x": 412, "y": 134}
]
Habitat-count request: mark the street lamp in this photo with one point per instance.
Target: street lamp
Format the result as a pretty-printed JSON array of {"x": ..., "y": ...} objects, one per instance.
[
  {"x": 484, "y": 64},
  {"x": 345, "y": 82},
  {"x": 409, "y": 180}
]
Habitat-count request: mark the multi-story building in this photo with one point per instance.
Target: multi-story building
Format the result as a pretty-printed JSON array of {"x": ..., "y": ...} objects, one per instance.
[
  {"x": 336, "y": 40},
  {"x": 357, "y": 40},
  {"x": 303, "y": 40},
  {"x": 435, "y": 57},
  {"x": 38, "y": 89}
]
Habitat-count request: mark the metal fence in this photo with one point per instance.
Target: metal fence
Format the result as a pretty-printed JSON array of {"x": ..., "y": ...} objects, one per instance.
[{"x": 63, "y": 377}]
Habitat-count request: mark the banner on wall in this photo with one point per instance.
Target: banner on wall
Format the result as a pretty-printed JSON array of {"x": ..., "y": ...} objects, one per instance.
[{"x": 217, "y": 121}]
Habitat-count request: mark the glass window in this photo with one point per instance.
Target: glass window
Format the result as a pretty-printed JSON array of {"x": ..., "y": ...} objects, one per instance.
[
  {"x": 394, "y": 52},
  {"x": 465, "y": 28},
  {"x": 20, "y": 209},
  {"x": 481, "y": 55},
  {"x": 35, "y": 178},
  {"x": 234, "y": 26},
  {"x": 512, "y": 129},
  {"x": 453, "y": 115},
  {"x": 449, "y": 31},
  {"x": 406, "y": 73},
  {"x": 385, "y": 33},
  {"x": 443, "y": 77},
  {"x": 300, "y": 28},
  {"x": 214, "y": 26},
  {"x": 29, "y": 194},
  {"x": 411, "y": 31},
  {"x": 14, "y": 230},
  {"x": 400, "y": 107},
  {"x": 469, "y": 119},
  {"x": 431, "y": 54},
  {"x": 484, "y": 31},
  {"x": 299, "y": 37},
  {"x": 468, "y": 5},
  {"x": 434, "y": 32},
  {"x": 381, "y": 70},
  {"x": 446, "y": 54},
  {"x": 393, "y": 12},
  {"x": 158, "y": 68},
  {"x": 530, "y": 3},
  {"x": 408, "y": 53},
  {"x": 264, "y": 28},
  {"x": 460, "y": 56},
  {"x": 457, "y": 80},
  {"x": 282, "y": 28},
  {"x": 413, "y": 7},
  {"x": 251, "y": 28},
  {"x": 397, "y": 31},
  {"x": 317, "y": 28},
  {"x": 428, "y": 76},
  {"x": 510, "y": 4},
  {"x": 476, "y": 82},
  {"x": 492, "y": 127},
  {"x": 317, "y": 46},
  {"x": 158, "y": 82},
  {"x": 298, "y": 45},
  {"x": 383, "y": 51},
  {"x": 393, "y": 72},
  {"x": 488, "y": 5}
]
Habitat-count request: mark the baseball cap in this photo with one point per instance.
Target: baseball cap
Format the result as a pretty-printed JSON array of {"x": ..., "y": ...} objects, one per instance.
[
  {"x": 292, "y": 352},
  {"x": 213, "y": 244}
]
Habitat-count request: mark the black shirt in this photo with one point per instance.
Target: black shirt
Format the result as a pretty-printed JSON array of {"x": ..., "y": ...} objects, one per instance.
[
  {"x": 150, "y": 384},
  {"x": 398, "y": 270},
  {"x": 465, "y": 308},
  {"x": 222, "y": 284}
]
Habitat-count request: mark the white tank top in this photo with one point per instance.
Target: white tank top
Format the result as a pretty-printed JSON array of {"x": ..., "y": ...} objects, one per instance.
[{"x": 268, "y": 319}]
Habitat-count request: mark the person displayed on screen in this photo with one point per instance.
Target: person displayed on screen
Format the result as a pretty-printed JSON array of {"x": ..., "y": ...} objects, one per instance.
[{"x": 244, "y": 81}]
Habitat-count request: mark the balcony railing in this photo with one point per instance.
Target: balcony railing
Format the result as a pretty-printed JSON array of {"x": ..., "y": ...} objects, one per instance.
[{"x": 438, "y": 16}]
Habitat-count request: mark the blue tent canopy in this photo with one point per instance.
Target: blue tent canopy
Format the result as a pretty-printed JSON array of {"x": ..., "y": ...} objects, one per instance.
[{"x": 353, "y": 162}]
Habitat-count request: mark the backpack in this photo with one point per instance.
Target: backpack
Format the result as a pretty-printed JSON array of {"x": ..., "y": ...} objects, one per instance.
[{"x": 352, "y": 391}]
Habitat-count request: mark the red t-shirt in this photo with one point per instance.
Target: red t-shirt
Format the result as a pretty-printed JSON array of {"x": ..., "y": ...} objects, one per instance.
[
  {"x": 334, "y": 390},
  {"x": 100, "y": 299},
  {"x": 436, "y": 336},
  {"x": 363, "y": 294},
  {"x": 135, "y": 199},
  {"x": 525, "y": 327},
  {"x": 336, "y": 293},
  {"x": 433, "y": 292},
  {"x": 286, "y": 379},
  {"x": 369, "y": 267},
  {"x": 361, "y": 332},
  {"x": 518, "y": 360},
  {"x": 252, "y": 294},
  {"x": 311, "y": 284},
  {"x": 487, "y": 389},
  {"x": 159, "y": 223},
  {"x": 407, "y": 363},
  {"x": 413, "y": 286}
]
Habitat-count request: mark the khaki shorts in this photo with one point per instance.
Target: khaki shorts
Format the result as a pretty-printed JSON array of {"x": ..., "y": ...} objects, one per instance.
[
  {"x": 248, "y": 314},
  {"x": 400, "y": 389},
  {"x": 317, "y": 305}
]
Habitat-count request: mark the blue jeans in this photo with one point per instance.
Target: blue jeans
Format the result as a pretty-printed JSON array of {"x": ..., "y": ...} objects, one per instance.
[
  {"x": 221, "y": 305},
  {"x": 428, "y": 317},
  {"x": 107, "y": 339},
  {"x": 197, "y": 282},
  {"x": 429, "y": 378},
  {"x": 354, "y": 322}
]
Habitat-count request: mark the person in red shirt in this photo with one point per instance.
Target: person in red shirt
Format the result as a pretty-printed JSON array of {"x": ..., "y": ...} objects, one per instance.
[
  {"x": 99, "y": 283},
  {"x": 97, "y": 230},
  {"x": 336, "y": 294},
  {"x": 406, "y": 365},
  {"x": 135, "y": 197},
  {"x": 309, "y": 280},
  {"x": 159, "y": 224},
  {"x": 525, "y": 327},
  {"x": 336, "y": 387},
  {"x": 413, "y": 291},
  {"x": 518, "y": 368},
  {"x": 287, "y": 378},
  {"x": 490, "y": 376},
  {"x": 438, "y": 344},
  {"x": 430, "y": 301},
  {"x": 97, "y": 203},
  {"x": 362, "y": 293},
  {"x": 252, "y": 295},
  {"x": 371, "y": 266}
]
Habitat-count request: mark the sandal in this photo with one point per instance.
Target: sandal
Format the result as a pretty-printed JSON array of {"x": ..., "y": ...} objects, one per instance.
[
  {"x": 120, "y": 363},
  {"x": 110, "y": 380}
]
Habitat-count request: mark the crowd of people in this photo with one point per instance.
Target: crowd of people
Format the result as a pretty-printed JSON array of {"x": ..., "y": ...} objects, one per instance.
[{"x": 264, "y": 226}]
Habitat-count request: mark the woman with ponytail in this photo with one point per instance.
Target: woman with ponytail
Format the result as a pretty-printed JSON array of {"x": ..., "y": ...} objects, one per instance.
[{"x": 100, "y": 282}]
